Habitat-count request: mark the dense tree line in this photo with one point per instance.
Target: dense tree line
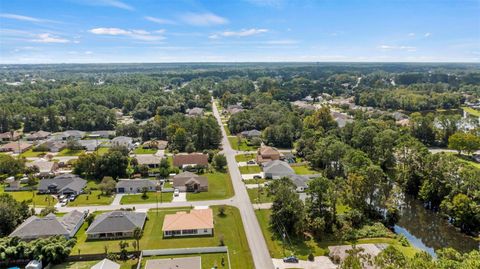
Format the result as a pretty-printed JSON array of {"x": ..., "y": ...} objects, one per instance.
[
  {"x": 53, "y": 250},
  {"x": 13, "y": 213}
]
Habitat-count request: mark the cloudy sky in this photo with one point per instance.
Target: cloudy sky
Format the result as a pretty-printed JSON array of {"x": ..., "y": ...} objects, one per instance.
[{"x": 83, "y": 31}]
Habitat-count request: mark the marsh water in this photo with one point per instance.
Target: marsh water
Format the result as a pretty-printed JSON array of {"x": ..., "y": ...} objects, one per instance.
[{"x": 426, "y": 230}]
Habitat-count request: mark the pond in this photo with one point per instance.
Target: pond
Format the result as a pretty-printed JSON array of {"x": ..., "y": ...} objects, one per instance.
[{"x": 426, "y": 230}]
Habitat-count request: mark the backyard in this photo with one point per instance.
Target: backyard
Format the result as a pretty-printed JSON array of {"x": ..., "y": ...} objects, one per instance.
[
  {"x": 228, "y": 227},
  {"x": 303, "y": 170},
  {"x": 219, "y": 187}
]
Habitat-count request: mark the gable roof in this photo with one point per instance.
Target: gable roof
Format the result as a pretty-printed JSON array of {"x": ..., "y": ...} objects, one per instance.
[
  {"x": 50, "y": 225},
  {"x": 136, "y": 183},
  {"x": 122, "y": 139},
  {"x": 147, "y": 159},
  {"x": 38, "y": 135},
  {"x": 117, "y": 221},
  {"x": 300, "y": 181},
  {"x": 187, "y": 178},
  {"x": 252, "y": 133},
  {"x": 193, "y": 158},
  {"x": 266, "y": 150},
  {"x": 278, "y": 167},
  {"x": 43, "y": 165},
  {"x": 106, "y": 264},
  {"x": 16, "y": 146},
  {"x": 196, "y": 219},
  {"x": 63, "y": 182}
]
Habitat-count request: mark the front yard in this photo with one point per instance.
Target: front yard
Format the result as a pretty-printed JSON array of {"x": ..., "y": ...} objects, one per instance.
[
  {"x": 240, "y": 144},
  {"x": 94, "y": 198},
  {"x": 152, "y": 197},
  {"x": 228, "y": 227},
  {"x": 68, "y": 152},
  {"x": 244, "y": 157},
  {"x": 141, "y": 150},
  {"x": 259, "y": 195},
  {"x": 250, "y": 169},
  {"x": 219, "y": 187},
  {"x": 31, "y": 153},
  {"x": 40, "y": 200}
]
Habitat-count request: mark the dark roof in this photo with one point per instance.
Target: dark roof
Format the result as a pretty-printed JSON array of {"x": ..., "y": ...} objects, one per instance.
[
  {"x": 251, "y": 133},
  {"x": 300, "y": 181},
  {"x": 136, "y": 183},
  {"x": 278, "y": 167},
  {"x": 187, "y": 178},
  {"x": 194, "y": 158},
  {"x": 63, "y": 182},
  {"x": 117, "y": 221}
]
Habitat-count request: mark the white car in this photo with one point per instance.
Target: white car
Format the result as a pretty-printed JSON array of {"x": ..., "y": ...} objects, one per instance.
[{"x": 176, "y": 192}]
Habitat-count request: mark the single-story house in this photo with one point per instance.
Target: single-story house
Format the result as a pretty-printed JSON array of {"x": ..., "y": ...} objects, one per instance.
[
  {"x": 266, "y": 154},
  {"x": 197, "y": 222},
  {"x": 251, "y": 133},
  {"x": 177, "y": 263},
  {"x": 70, "y": 134},
  {"x": 136, "y": 185},
  {"x": 106, "y": 264},
  {"x": 37, "y": 227},
  {"x": 192, "y": 159},
  {"x": 277, "y": 169},
  {"x": 39, "y": 135},
  {"x": 149, "y": 160},
  {"x": 155, "y": 144},
  {"x": 123, "y": 141},
  {"x": 90, "y": 145},
  {"x": 45, "y": 168},
  {"x": 301, "y": 182},
  {"x": 101, "y": 134},
  {"x": 196, "y": 111},
  {"x": 341, "y": 118},
  {"x": 191, "y": 182},
  {"x": 54, "y": 146},
  {"x": 10, "y": 136},
  {"x": 116, "y": 224},
  {"x": 16, "y": 147},
  {"x": 63, "y": 184}
]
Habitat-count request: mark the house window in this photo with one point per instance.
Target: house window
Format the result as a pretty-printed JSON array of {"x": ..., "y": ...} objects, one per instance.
[
  {"x": 205, "y": 231},
  {"x": 190, "y": 232}
]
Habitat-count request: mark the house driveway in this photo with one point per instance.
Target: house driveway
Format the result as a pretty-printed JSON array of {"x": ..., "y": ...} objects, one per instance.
[
  {"x": 254, "y": 186},
  {"x": 250, "y": 176},
  {"x": 320, "y": 262},
  {"x": 117, "y": 199},
  {"x": 182, "y": 197}
]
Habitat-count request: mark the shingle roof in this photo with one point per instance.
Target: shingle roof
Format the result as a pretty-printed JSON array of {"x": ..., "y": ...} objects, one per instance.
[
  {"x": 136, "y": 183},
  {"x": 43, "y": 166},
  {"x": 66, "y": 181},
  {"x": 196, "y": 219},
  {"x": 266, "y": 150},
  {"x": 188, "y": 178},
  {"x": 117, "y": 221},
  {"x": 278, "y": 167},
  {"x": 147, "y": 159},
  {"x": 194, "y": 158},
  {"x": 300, "y": 181},
  {"x": 37, "y": 135},
  {"x": 106, "y": 264}
]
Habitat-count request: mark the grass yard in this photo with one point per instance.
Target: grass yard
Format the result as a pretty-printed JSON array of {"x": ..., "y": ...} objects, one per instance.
[
  {"x": 227, "y": 131},
  {"x": 101, "y": 151},
  {"x": 151, "y": 198},
  {"x": 254, "y": 181},
  {"x": 130, "y": 264},
  {"x": 244, "y": 157},
  {"x": 40, "y": 200},
  {"x": 242, "y": 146},
  {"x": 94, "y": 198},
  {"x": 68, "y": 152},
  {"x": 141, "y": 150},
  {"x": 31, "y": 153},
  {"x": 229, "y": 227},
  {"x": 219, "y": 187},
  {"x": 304, "y": 170},
  {"x": 301, "y": 248},
  {"x": 256, "y": 198},
  {"x": 472, "y": 111},
  {"x": 250, "y": 169},
  {"x": 209, "y": 260}
]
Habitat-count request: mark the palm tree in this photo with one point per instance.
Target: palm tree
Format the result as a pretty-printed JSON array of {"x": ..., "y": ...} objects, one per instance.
[{"x": 137, "y": 234}]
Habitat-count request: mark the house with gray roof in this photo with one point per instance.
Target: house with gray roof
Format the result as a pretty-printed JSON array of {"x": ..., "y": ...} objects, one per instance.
[
  {"x": 106, "y": 264},
  {"x": 67, "y": 184},
  {"x": 136, "y": 185},
  {"x": 301, "y": 182},
  {"x": 70, "y": 134},
  {"x": 251, "y": 133},
  {"x": 54, "y": 145},
  {"x": 116, "y": 224},
  {"x": 101, "y": 134},
  {"x": 37, "y": 227},
  {"x": 39, "y": 135},
  {"x": 277, "y": 169},
  {"x": 150, "y": 160},
  {"x": 123, "y": 141},
  {"x": 191, "y": 182},
  {"x": 90, "y": 145},
  {"x": 196, "y": 111}
]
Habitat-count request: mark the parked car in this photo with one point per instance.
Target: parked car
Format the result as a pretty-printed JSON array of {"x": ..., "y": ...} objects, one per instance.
[
  {"x": 290, "y": 259},
  {"x": 251, "y": 162},
  {"x": 257, "y": 177},
  {"x": 176, "y": 192},
  {"x": 72, "y": 198},
  {"x": 63, "y": 203}
]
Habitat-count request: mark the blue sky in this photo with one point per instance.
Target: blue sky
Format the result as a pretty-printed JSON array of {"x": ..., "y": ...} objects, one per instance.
[{"x": 91, "y": 31}]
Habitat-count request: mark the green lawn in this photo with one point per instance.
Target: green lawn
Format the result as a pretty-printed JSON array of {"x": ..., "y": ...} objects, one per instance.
[
  {"x": 242, "y": 146},
  {"x": 219, "y": 187},
  {"x": 304, "y": 170},
  {"x": 250, "y": 169},
  {"x": 95, "y": 198},
  {"x": 141, "y": 150},
  {"x": 101, "y": 151},
  {"x": 229, "y": 227},
  {"x": 129, "y": 264},
  {"x": 227, "y": 131},
  {"x": 254, "y": 181},
  {"x": 68, "y": 152},
  {"x": 31, "y": 153},
  {"x": 256, "y": 198},
  {"x": 40, "y": 200},
  {"x": 208, "y": 260},
  {"x": 301, "y": 248},
  {"x": 244, "y": 157},
  {"x": 472, "y": 111},
  {"x": 151, "y": 198}
]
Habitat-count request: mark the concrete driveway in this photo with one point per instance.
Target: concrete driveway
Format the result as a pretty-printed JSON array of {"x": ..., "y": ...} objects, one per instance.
[
  {"x": 320, "y": 262},
  {"x": 250, "y": 176},
  {"x": 182, "y": 197}
]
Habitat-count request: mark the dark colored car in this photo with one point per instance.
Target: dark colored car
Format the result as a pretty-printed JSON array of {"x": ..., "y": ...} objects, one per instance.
[{"x": 290, "y": 259}]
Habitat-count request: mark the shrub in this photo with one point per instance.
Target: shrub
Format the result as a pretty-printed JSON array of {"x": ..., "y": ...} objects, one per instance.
[{"x": 311, "y": 257}]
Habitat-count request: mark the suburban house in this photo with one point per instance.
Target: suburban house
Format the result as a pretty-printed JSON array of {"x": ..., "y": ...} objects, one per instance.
[
  {"x": 39, "y": 135},
  {"x": 150, "y": 160},
  {"x": 277, "y": 169},
  {"x": 10, "y": 136},
  {"x": 155, "y": 144},
  {"x": 54, "y": 146},
  {"x": 301, "y": 182},
  {"x": 266, "y": 154},
  {"x": 289, "y": 157},
  {"x": 190, "y": 182},
  {"x": 177, "y": 263},
  {"x": 341, "y": 118},
  {"x": 197, "y": 222},
  {"x": 116, "y": 224},
  {"x": 234, "y": 109},
  {"x": 136, "y": 185},
  {"x": 101, "y": 134},
  {"x": 251, "y": 134},
  {"x": 70, "y": 134},
  {"x": 90, "y": 145},
  {"x": 37, "y": 227},
  {"x": 45, "y": 168},
  {"x": 67, "y": 184},
  {"x": 106, "y": 264},
  {"x": 122, "y": 141},
  {"x": 196, "y": 111},
  {"x": 192, "y": 159},
  {"x": 16, "y": 147}
]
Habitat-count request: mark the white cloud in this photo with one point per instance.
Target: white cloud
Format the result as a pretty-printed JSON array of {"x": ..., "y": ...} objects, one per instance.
[
  {"x": 241, "y": 33},
  {"x": 282, "y": 42},
  {"x": 203, "y": 19},
  {"x": 22, "y": 18},
  {"x": 427, "y": 34},
  {"x": 411, "y": 34},
  {"x": 109, "y": 3},
  {"x": 49, "y": 38},
  {"x": 135, "y": 34},
  {"x": 159, "y": 20},
  {"x": 88, "y": 52},
  {"x": 406, "y": 48}
]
